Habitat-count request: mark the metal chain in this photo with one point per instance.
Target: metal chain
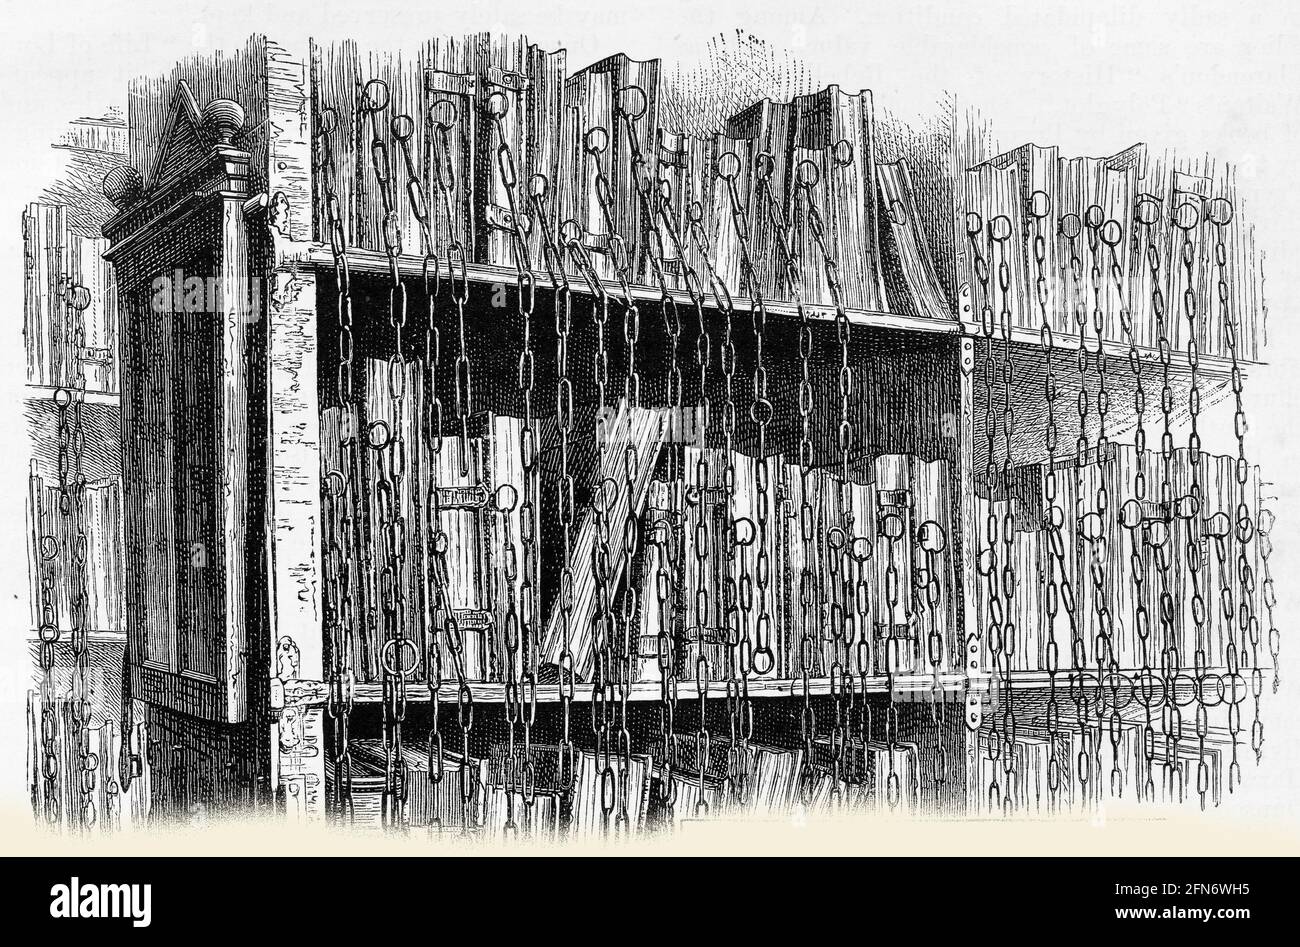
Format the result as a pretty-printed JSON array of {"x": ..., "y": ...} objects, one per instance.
[
  {"x": 77, "y": 300},
  {"x": 1244, "y": 528},
  {"x": 1070, "y": 227},
  {"x": 553, "y": 259},
  {"x": 732, "y": 617},
  {"x": 521, "y": 631},
  {"x": 806, "y": 178},
  {"x": 1187, "y": 217},
  {"x": 597, "y": 143},
  {"x": 1146, "y": 213},
  {"x": 1163, "y": 542},
  {"x": 1096, "y": 527},
  {"x": 1059, "y": 588},
  {"x": 655, "y": 207},
  {"x": 389, "y": 444},
  {"x": 427, "y": 512},
  {"x": 50, "y": 634},
  {"x": 444, "y": 117},
  {"x": 988, "y": 557},
  {"x": 1268, "y": 592},
  {"x": 703, "y": 606},
  {"x": 1000, "y": 231},
  {"x": 756, "y": 654},
  {"x": 603, "y": 690},
  {"x": 340, "y": 548}
]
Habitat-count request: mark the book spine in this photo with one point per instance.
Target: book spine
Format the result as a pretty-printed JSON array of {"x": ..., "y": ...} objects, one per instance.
[{"x": 835, "y": 133}]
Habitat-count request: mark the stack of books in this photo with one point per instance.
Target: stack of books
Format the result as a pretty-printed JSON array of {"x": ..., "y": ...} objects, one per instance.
[
  {"x": 1077, "y": 491},
  {"x": 58, "y": 255},
  {"x": 1130, "y": 200}
]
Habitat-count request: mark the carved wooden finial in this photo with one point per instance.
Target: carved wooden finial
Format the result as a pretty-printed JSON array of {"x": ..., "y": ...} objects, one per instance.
[
  {"x": 225, "y": 118},
  {"x": 122, "y": 185}
]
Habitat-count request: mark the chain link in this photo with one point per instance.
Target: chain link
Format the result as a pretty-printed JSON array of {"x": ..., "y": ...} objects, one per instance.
[
  {"x": 1244, "y": 528},
  {"x": 1187, "y": 218},
  {"x": 341, "y": 498},
  {"x": 553, "y": 259},
  {"x": 976, "y": 231},
  {"x": 388, "y": 442},
  {"x": 1059, "y": 588}
]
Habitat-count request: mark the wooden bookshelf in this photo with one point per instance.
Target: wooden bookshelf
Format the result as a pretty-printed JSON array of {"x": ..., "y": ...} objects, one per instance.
[
  {"x": 255, "y": 189},
  {"x": 45, "y": 394},
  {"x": 309, "y": 693},
  {"x": 374, "y": 262}
]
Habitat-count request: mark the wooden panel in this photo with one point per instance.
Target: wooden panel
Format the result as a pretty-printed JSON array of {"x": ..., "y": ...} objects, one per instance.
[{"x": 293, "y": 437}]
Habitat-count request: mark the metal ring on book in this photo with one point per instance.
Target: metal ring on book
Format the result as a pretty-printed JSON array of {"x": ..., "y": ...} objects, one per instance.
[
  {"x": 727, "y": 165},
  {"x": 497, "y": 105},
  {"x": 1111, "y": 233},
  {"x": 1147, "y": 210},
  {"x": 1130, "y": 514},
  {"x": 596, "y": 140},
  {"x": 1186, "y": 215},
  {"x": 1084, "y": 685},
  {"x": 378, "y": 434},
  {"x": 505, "y": 498},
  {"x": 931, "y": 537},
  {"x": 842, "y": 153},
  {"x": 836, "y": 538},
  {"x": 389, "y": 653},
  {"x": 1184, "y": 689},
  {"x": 891, "y": 526},
  {"x": 632, "y": 101},
  {"x": 402, "y": 127},
  {"x": 1219, "y": 211},
  {"x": 374, "y": 97},
  {"x": 1149, "y": 688},
  {"x": 1117, "y": 688},
  {"x": 1212, "y": 689},
  {"x": 444, "y": 114}
]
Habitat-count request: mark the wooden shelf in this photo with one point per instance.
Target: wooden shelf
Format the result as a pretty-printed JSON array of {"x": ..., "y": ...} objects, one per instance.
[
  {"x": 97, "y": 635},
  {"x": 1036, "y": 680},
  {"x": 320, "y": 256},
  {"x": 44, "y": 395},
  {"x": 1213, "y": 381},
  {"x": 314, "y": 693},
  {"x": 1066, "y": 344}
]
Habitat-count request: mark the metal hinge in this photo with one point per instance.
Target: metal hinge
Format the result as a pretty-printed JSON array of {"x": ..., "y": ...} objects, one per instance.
[
  {"x": 506, "y": 79},
  {"x": 451, "y": 83},
  {"x": 500, "y": 218},
  {"x": 672, "y": 157},
  {"x": 894, "y": 498},
  {"x": 474, "y": 497},
  {"x": 473, "y": 619}
]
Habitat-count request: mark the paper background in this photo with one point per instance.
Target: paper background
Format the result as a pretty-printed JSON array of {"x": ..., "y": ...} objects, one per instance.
[{"x": 1091, "y": 77}]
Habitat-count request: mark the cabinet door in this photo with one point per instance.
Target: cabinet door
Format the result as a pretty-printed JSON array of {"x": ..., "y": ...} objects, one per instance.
[{"x": 183, "y": 546}]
